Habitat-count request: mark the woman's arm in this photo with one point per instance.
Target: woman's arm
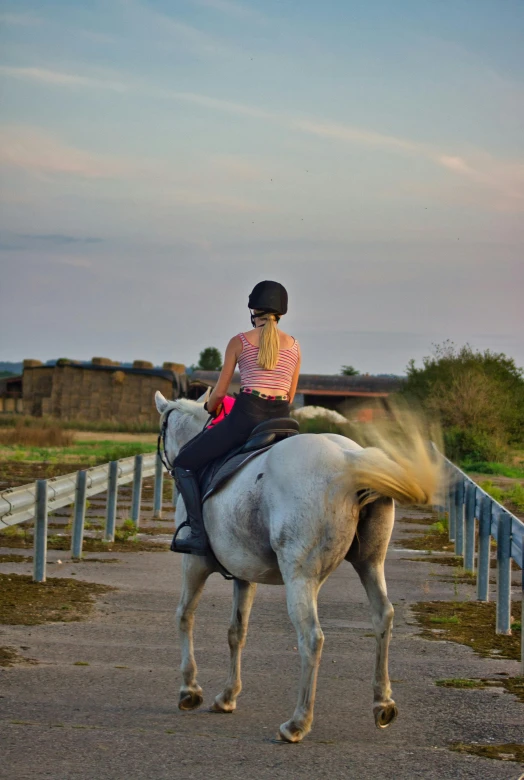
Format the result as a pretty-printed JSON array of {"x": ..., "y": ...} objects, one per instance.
[
  {"x": 233, "y": 350},
  {"x": 294, "y": 381}
]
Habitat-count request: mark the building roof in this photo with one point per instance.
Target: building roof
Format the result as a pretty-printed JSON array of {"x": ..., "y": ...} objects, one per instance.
[{"x": 11, "y": 386}]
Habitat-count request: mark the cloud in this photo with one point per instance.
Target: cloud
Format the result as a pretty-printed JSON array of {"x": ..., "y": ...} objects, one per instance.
[
  {"x": 355, "y": 135},
  {"x": 504, "y": 180},
  {"x": 182, "y": 34},
  {"x": 40, "y": 153},
  {"x": 61, "y": 79}
]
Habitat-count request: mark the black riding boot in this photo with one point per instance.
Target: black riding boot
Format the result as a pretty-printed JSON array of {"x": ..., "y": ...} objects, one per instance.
[{"x": 196, "y": 543}]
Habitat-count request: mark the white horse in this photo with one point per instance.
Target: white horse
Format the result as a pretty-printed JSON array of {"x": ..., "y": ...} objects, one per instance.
[{"x": 291, "y": 516}]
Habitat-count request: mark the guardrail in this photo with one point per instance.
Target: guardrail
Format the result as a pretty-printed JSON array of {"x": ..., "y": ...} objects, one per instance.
[
  {"x": 46, "y": 495},
  {"x": 473, "y": 514}
]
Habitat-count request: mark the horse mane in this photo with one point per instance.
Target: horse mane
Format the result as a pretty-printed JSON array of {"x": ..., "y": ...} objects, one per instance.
[{"x": 185, "y": 406}]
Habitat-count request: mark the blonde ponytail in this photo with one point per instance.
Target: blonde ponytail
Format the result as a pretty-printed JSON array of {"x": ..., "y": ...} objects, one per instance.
[{"x": 269, "y": 344}]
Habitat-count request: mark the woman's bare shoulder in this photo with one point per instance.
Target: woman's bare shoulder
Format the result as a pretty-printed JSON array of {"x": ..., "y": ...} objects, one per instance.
[{"x": 286, "y": 341}]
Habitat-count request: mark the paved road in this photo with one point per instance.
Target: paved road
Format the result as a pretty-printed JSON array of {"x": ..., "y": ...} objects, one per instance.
[{"x": 99, "y": 722}]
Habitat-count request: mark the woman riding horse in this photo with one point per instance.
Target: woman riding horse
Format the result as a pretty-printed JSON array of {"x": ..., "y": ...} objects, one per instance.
[{"x": 269, "y": 363}]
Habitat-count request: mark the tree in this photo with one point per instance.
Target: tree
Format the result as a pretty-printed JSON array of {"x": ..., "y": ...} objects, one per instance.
[
  {"x": 478, "y": 397},
  {"x": 349, "y": 371},
  {"x": 210, "y": 359}
]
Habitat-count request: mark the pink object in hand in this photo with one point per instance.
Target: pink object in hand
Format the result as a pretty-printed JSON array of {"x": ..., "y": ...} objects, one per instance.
[{"x": 227, "y": 405}]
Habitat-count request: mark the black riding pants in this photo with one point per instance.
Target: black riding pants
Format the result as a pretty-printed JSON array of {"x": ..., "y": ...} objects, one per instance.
[{"x": 246, "y": 414}]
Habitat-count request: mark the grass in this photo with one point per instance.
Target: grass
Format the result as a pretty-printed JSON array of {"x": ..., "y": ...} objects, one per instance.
[
  {"x": 512, "y": 496},
  {"x": 436, "y": 539},
  {"x": 445, "y": 619},
  {"x": 24, "y": 541},
  {"x": 89, "y": 453},
  {"x": 514, "y": 685},
  {"x": 9, "y": 657},
  {"x": 497, "y": 469},
  {"x": 503, "y": 752},
  {"x": 28, "y": 603},
  {"x": 45, "y": 436},
  {"x": 109, "y": 426},
  {"x": 470, "y": 623}
]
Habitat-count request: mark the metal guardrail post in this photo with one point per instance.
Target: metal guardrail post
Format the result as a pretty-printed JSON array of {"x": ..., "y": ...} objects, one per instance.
[
  {"x": 112, "y": 489},
  {"x": 504, "y": 574},
  {"x": 40, "y": 532},
  {"x": 452, "y": 522},
  {"x": 484, "y": 542},
  {"x": 459, "y": 517},
  {"x": 137, "y": 490},
  {"x": 159, "y": 486},
  {"x": 469, "y": 546},
  {"x": 79, "y": 515}
]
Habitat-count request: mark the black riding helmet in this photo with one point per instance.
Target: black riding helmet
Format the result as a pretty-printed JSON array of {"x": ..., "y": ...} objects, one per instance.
[{"x": 269, "y": 297}]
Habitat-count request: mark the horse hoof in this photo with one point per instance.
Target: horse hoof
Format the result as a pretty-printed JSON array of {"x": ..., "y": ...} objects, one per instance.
[
  {"x": 222, "y": 707},
  {"x": 384, "y": 716},
  {"x": 290, "y": 732},
  {"x": 190, "y": 700}
]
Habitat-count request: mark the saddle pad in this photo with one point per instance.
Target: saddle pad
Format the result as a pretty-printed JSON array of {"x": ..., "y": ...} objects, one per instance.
[{"x": 214, "y": 476}]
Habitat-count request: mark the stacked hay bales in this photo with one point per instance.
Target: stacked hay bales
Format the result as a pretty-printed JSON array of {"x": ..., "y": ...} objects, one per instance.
[{"x": 100, "y": 390}]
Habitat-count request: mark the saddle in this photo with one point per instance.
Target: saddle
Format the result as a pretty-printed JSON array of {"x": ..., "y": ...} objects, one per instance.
[{"x": 214, "y": 475}]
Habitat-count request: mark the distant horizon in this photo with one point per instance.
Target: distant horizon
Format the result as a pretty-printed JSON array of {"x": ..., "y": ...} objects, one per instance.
[{"x": 129, "y": 364}]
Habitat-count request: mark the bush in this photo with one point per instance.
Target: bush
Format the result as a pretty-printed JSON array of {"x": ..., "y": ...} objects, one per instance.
[
  {"x": 493, "y": 490},
  {"x": 473, "y": 444},
  {"x": 478, "y": 397}
]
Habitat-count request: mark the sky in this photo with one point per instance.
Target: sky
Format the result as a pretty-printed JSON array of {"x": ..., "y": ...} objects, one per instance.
[{"x": 159, "y": 158}]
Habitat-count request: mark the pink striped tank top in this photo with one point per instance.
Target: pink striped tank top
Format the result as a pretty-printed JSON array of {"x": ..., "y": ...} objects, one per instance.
[{"x": 278, "y": 378}]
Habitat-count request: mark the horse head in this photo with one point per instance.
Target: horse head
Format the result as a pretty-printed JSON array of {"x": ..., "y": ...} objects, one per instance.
[{"x": 182, "y": 418}]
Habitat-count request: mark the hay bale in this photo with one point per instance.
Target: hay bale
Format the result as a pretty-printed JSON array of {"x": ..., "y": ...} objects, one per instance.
[
  {"x": 176, "y": 368},
  {"x": 102, "y": 361},
  {"x": 29, "y": 363},
  {"x": 142, "y": 364},
  {"x": 118, "y": 378}
]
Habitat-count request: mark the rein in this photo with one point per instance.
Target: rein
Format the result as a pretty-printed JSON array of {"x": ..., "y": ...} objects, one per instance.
[{"x": 161, "y": 442}]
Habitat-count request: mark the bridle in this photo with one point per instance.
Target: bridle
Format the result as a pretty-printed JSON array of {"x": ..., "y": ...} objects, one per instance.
[{"x": 161, "y": 444}]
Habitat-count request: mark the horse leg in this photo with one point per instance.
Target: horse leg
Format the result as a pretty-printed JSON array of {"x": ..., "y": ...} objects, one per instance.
[
  {"x": 195, "y": 574},
  {"x": 373, "y": 580},
  {"x": 367, "y": 554},
  {"x": 243, "y": 595},
  {"x": 302, "y": 597}
]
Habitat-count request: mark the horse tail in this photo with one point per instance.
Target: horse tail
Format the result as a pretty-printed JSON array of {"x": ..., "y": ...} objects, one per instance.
[
  {"x": 375, "y": 473},
  {"x": 400, "y": 463}
]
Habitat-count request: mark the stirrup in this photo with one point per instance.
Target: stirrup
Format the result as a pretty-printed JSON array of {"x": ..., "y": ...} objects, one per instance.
[{"x": 173, "y": 540}]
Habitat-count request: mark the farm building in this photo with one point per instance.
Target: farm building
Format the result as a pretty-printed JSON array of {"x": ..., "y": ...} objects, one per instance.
[
  {"x": 99, "y": 390},
  {"x": 105, "y": 390},
  {"x": 11, "y": 394},
  {"x": 347, "y": 394}
]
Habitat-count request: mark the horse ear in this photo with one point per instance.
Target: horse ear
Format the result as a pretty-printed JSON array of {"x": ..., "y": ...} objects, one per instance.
[
  {"x": 205, "y": 397},
  {"x": 161, "y": 402}
]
